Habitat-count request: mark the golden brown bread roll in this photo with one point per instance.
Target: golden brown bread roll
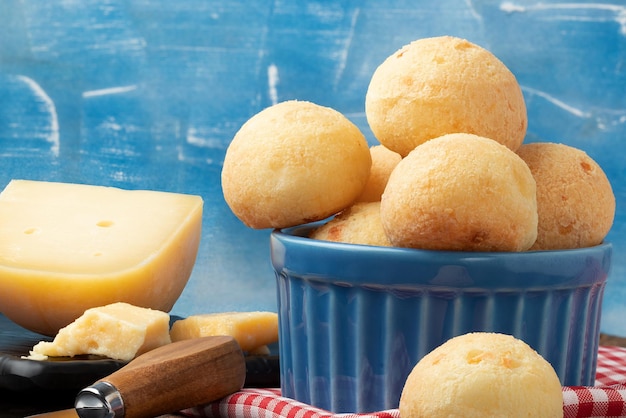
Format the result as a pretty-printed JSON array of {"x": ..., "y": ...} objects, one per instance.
[
  {"x": 359, "y": 224},
  {"x": 293, "y": 163},
  {"x": 480, "y": 375},
  {"x": 575, "y": 201},
  {"x": 383, "y": 162},
  {"x": 461, "y": 192},
  {"x": 440, "y": 85}
]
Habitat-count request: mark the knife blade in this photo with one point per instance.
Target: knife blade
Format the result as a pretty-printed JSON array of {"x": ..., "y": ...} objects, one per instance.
[{"x": 167, "y": 379}]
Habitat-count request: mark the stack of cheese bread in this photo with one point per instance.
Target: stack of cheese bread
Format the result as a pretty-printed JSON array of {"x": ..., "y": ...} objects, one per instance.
[{"x": 450, "y": 172}]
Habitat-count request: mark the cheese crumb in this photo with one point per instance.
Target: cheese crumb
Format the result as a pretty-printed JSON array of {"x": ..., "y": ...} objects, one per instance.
[{"x": 119, "y": 331}]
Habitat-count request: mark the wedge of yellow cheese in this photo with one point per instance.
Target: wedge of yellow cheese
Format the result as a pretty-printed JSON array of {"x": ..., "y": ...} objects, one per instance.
[
  {"x": 120, "y": 331},
  {"x": 65, "y": 248},
  {"x": 250, "y": 329}
]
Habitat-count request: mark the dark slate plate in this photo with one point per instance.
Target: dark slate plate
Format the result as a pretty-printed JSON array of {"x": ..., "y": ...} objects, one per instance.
[
  {"x": 61, "y": 373},
  {"x": 73, "y": 374}
]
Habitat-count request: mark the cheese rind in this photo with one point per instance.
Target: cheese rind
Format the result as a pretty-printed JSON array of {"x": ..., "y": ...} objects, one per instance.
[
  {"x": 65, "y": 248},
  {"x": 120, "y": 331},
  {"x": 250, "y": 329}
]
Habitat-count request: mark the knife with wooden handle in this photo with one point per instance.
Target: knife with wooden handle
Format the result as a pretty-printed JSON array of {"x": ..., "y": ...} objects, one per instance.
[{"x": 167, "y": 379}]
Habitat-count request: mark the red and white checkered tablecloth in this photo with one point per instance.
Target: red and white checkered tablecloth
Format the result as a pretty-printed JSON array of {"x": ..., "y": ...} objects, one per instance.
[{"x": 606, "y": 399}]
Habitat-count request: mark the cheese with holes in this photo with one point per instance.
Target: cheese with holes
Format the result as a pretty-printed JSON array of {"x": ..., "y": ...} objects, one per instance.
[
  {"x": 65, "y": 248},
  {"x": 251, "y": 330},
  {"x": 120, "y": 331}
]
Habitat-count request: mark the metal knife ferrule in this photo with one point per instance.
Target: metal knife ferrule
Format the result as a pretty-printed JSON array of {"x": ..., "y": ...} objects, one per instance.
[{"x": 100, "y": 400}]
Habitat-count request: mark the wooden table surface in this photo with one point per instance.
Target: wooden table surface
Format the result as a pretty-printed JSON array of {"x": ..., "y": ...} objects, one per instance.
[{"x": 612, "y": 340}]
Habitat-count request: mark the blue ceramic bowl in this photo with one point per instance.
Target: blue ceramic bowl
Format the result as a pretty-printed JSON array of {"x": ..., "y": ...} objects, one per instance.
[{"x": 355, "y": 319}]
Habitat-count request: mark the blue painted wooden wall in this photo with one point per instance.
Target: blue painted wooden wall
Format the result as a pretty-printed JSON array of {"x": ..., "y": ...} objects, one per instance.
[{"x": 148, "y": 94}]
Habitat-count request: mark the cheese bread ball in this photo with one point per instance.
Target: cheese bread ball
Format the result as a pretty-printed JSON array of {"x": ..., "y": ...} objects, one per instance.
[
  {"x": 383, "y": 162},
  {"x": 575, "y": 201},
  {"x": 435, "y": 86},
  {"x": 461, "y": 192},
  {"x": 480, "y": 375},
  {"x": 359, "y": 224},
  {"x": 293, "y": 163}
]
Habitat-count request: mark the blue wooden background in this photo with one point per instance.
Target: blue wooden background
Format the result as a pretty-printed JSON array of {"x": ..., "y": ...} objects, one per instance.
[{"x": 148, "y": 94}]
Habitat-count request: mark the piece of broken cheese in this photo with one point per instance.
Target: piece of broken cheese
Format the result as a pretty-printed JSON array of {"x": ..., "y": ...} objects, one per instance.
[
  {"x": 119, "y": 331},
  {"x": 252, "y": 330},
  {"x": 65, "y": 248}
]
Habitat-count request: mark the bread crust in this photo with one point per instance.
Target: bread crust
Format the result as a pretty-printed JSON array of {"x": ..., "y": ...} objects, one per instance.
[
  {"x": 480, "y": 375},
  {"x": 383, "y": 162},
  {"x": 575, "y": 201},
  {"x": 358, "y": 224},
  {"x": 461, "y": 192},
  {"x": 441, "y": 85},
  {"x": 293, "y": 163}
]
